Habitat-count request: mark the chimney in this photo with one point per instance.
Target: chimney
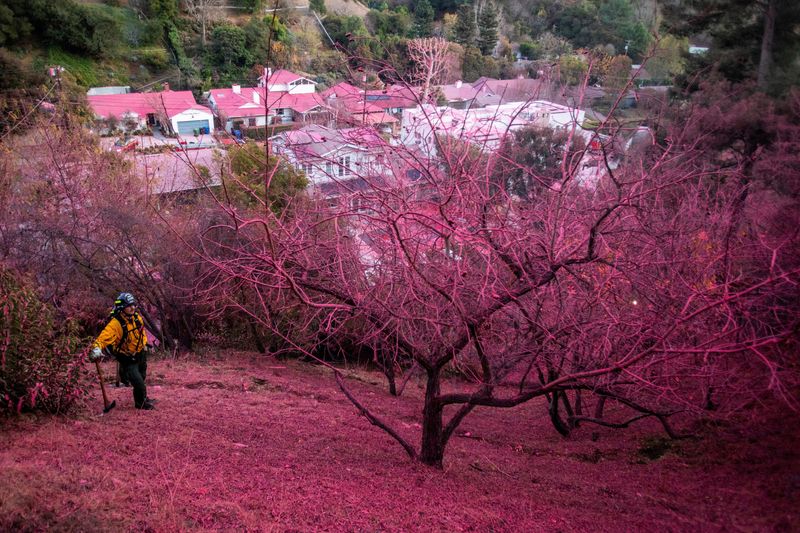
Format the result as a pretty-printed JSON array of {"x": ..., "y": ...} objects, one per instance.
[
  {"x": 166, "y": 86},
  {"x": 237, "y": 89},
  {"x": 256, "y": 97},
  {"x": 458, "y": 84}
]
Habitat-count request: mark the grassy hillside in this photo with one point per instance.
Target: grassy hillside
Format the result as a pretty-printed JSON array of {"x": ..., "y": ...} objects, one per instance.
[{"x": 249, "y": 442}]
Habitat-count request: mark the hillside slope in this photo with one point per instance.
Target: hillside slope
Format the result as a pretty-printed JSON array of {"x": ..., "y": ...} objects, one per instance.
[{"x": 253, "y": 443}]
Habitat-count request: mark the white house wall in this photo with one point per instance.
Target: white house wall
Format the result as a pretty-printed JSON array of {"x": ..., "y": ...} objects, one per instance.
[
  {"x": 261, "y": 121},
  {"x": 192, "y": 114}
]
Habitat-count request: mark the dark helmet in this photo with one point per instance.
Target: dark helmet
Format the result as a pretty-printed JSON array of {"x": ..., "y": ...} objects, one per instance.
[{"x": 124, "y": 300}]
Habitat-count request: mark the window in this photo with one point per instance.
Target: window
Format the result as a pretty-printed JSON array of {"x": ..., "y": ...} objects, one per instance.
[
  {"x": 344, "y": 166},
  {"x": 308, "y": 168},
  {"x": 329, "y": 168},
  {"x": 251, "y": 122},
  {"x": 356, "y": 203},
  {"x": 413, "y": 174}
]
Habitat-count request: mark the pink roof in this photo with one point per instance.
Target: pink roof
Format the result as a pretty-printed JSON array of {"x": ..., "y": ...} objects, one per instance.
[
  {"x": 315, "y": 140},
  {"x": 464, "y": 92},
  {"x": 342, "y": 89},
  {"x": 283, "y": 76},
  {"x": 302, "y": 103},
  {"x": 393, "y": 96},
  {"x": 117, "y": 105},
  {"x": 175, "y": 171},
  {"x": 381, "y": 117},
  {"x": 243, "y": 104}
]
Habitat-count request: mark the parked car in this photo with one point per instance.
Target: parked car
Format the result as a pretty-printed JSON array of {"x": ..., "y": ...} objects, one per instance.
[{"x": 125, "y": 145}]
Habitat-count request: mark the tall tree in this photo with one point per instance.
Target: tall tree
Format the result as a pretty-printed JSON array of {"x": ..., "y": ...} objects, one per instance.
[
  {"x": 487, "y": 28},
  {"x": 430, "y": 59},
  {"x": 465, "y": 29},
  {"x": 423, "y": 19},
  {"x": 750, "y": 40}
]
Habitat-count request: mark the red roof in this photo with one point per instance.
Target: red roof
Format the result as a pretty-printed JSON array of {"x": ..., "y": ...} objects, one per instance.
[
  {"x": 393, "y": 96},
  {"x": 117, "y": 105},
  {"x": 342, "y": 89},
  {"x": 243, "y": 103},
  {"x": 282, "y": 77}
]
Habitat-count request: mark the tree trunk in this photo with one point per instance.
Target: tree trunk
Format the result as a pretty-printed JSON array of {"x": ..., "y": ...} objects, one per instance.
[
  {"x": 388, "y": 371},
  {"x": 432, "y": 450},
  {"x": 765, "y": 61},
  {"x": 598, "y": 410},
  {"x": 555, "y": 416},
  {"x": 256, "y": 337}
]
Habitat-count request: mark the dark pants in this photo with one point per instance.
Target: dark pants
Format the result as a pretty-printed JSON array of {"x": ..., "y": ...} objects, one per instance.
[{"x": 134, "y": 369}]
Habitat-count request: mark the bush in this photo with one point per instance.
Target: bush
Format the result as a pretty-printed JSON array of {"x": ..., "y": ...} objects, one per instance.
[
  {"x": 156, "y": 58},
  {"x": 530, "y": 50},
  {"x": 40, "y": 362}
]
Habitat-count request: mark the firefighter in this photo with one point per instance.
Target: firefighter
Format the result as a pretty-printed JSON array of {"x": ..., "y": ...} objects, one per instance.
[{"x": 125, "y": 339}]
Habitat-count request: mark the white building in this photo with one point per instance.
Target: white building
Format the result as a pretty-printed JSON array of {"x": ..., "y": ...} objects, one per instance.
[
  {"x": 483, "y": 127},
  {"x": 285, "y": 81},
  {"x": 333, "y": 156}
]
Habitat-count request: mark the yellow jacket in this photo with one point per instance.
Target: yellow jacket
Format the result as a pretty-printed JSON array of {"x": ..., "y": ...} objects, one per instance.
[{"x": 135, "y": 341}]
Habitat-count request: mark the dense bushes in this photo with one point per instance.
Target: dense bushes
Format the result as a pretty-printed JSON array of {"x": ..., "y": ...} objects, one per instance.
[
  {"x": 40, "y": 362},
  {"x": 81, "y": 28}
]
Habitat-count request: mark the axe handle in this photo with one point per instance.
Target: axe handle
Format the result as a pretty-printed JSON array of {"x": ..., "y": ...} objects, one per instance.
[{"x": 102, "y": 384}]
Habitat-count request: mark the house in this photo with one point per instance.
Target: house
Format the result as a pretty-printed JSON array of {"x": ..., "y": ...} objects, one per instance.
[
  {"x": 485, "y": 92},
  {"x": 176, "y": 173},
  {"x": 392, "y": 99},
  {"x": 253, "y": 107},
  {"x": 483, "y": 127},
  {"x": 349, "y": 112},
  {"x": 494, "y": 92},
  {"x": 458, "y": 95},
  {"x": 351, "y": 106},
  {"x": 284, "y": 81},
  {"x": 331, "y": 157},
  {"x": 175, "y": 111}
]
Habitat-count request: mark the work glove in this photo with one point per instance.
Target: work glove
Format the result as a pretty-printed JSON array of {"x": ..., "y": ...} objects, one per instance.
[{"x": 96, "y": 354}]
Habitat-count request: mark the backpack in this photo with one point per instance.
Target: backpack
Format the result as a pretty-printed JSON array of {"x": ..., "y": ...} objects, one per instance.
[{"x": 137, "y": 322}]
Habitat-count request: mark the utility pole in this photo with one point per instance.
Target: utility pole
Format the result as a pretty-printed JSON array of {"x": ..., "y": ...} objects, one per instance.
[{"x": 364, "y": 113}]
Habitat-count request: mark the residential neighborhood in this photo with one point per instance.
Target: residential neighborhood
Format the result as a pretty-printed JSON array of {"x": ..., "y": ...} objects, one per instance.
[
  {"x": 336, "y": 135},
  {"x": 406, "y": 266}
]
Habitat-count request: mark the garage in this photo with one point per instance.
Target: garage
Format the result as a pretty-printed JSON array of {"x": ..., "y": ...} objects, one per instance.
[{"x": 188, "y": 127}]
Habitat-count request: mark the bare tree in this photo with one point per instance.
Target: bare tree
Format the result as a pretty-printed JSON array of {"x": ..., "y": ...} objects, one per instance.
[
  {"x": 204, "y": 12},
  {"x": 430, "y": 56},
  {"x": 623, "y": 286}
]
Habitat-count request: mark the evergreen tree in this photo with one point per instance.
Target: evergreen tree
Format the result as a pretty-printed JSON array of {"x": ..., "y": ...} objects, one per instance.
[
  {"x": 465, "y": 29},
  {"x": 163, "y": 9},
  {"x": 487, "y": 29},
  {"x": 423, "y": 19},
  {"x": 750, "y": 40}
]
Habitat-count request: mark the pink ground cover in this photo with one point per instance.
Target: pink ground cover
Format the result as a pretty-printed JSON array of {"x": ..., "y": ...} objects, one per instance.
[{"x": 250, "y": 443}]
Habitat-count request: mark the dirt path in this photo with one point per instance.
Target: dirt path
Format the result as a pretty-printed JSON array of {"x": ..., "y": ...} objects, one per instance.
[{"x": 250, "y": 443}]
